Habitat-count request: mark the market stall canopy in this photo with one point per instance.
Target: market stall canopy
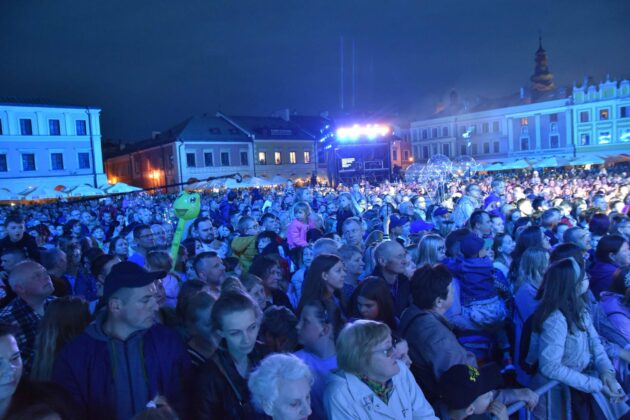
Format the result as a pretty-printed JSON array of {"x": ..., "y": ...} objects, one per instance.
[
  {"x": 551, "y": 162},
  {"x": 519, "y": 164},
  {"x": 84, "y": 191},
  {"x": 588, "y": 160},
  {"x": 44, "y": 193},
  {"x": 498, "y": 166},
  {"x": 121, "y": 188},
  {"x": 278, "y": 180},
  {"x": 258, "y": 182}
]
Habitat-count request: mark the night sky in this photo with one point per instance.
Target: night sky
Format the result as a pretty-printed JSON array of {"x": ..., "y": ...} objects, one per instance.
[{"x": 151, "y": 63}]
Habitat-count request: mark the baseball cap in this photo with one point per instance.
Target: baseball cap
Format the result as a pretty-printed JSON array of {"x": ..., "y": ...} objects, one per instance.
[
  {"x": 461, "y": 385},
  {"x": 395, "y": 221},
  {"x": 130, "y": 275},
  {"x": 420, "y": 226},
  {"x": 440, "y": 211}
]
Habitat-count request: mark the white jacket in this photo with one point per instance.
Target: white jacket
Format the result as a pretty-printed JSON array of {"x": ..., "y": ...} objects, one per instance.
[{"x": 347, "y": 397}]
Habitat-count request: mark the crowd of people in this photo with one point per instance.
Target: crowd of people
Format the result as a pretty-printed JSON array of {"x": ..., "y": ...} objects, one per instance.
[{"x": 359, "y": 302}]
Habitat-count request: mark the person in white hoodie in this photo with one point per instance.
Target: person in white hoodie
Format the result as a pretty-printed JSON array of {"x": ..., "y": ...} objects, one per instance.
[{"x": 371, "y": 383}]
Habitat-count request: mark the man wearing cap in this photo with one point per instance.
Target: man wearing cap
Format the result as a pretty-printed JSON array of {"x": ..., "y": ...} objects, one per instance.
[
  {"x": 124, "y": 359},
  {"x": 468, "y": 391},
  {"x": 399, "y": 229}
]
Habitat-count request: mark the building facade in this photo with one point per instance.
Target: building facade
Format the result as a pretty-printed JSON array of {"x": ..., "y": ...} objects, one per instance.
[
  {"x": 213, "y": 146},
  {"x": 48, "y": 145}
]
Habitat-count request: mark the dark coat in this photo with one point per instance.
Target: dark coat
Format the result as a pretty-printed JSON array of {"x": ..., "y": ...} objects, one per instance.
[{"x": 26, "y": 244}]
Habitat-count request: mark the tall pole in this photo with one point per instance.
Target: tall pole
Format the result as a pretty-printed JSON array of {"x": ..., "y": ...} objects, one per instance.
[
  {"x": 354, "y": 74},
  {"x": 341, "y": 105}
]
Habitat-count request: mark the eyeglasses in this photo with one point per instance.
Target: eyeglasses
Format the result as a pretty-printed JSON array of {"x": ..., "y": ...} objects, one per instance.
[{"x": 386, "y": 352}]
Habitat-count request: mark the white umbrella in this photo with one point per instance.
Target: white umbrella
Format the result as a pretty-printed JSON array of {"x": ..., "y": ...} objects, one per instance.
[
  {"x": 84, "y": 191},
  {"x": 231, "y": 183},
  {"x": 258, "y": 182},
  {"x": 588, "y": 160},
  {"x": 278, "y": 180},
  {"x": 121, "y": 187},
  {"x": 42, "y": 193},
  {"x": 498, "y": 166},
  {"x": 519, "y": 164}
]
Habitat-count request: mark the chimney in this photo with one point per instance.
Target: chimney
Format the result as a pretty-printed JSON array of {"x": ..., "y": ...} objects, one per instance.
[{"x": 155, "y": 134}]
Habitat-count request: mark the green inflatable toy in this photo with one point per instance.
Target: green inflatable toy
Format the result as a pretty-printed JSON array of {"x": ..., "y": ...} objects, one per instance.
[{"x": 186, "y": 207}]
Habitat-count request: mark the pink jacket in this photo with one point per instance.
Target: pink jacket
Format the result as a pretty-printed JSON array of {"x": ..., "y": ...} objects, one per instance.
[{"x": 296, "y": 233}]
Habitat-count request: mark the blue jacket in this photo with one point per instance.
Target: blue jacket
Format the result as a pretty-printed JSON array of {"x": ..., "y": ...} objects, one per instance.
[
  {"x": 112, "y": 379},
  {"x": 601, "y": 276},
  {"x": 476, "y": 279}
]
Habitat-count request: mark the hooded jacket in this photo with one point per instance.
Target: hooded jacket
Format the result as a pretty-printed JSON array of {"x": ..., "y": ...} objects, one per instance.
[
  {"x": 244, "y": 247},
  {"x": 617, "y": 312},
  {"x": 476, "y": 279},
  {"x": 114, "y": 379},
  {"x": 601, "y": 276}
]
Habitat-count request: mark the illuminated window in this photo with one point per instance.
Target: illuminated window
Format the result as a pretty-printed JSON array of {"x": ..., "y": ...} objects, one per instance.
[
  {"x": 584, "y": 117},
  {"x": 604, "y": 114},
  {"x": 307, "y": 157},
  {"x": 292, "y": 157},
  {"x": 524, "y": 130},
  {"x": 277, "y": 157},
  {"x": 262, "y": 158},
  {"x": 585, "y": 139},
  {"x": 525, "y": 121},
  {"x": 624, "y": 135},
  {"x": 604, "y": 137}
]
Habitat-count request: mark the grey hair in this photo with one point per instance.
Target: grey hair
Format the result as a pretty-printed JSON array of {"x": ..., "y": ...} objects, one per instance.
[
  {"x": 263, "y": 382},
  {"x": 325, "y": 246}
]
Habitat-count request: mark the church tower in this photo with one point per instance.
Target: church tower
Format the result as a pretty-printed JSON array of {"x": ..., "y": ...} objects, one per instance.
[{"x": 542, "y": 79}]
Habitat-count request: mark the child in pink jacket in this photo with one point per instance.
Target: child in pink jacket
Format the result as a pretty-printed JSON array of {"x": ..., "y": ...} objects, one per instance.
[{"x": 296, "y": 231}]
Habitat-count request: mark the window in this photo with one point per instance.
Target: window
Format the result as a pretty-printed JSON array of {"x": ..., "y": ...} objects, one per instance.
[
  {"x": 496, "y": 148},
  {"x": 495, "y": 126},
  {"x": 406, "y": 155},
  {"x": 190, "y": 160},
  {"x": 554, "y": 142},
  {"x": 446, "y": 149},
  {"x": 475, "y": 150},
  {"x": 553, "y": 117},
  {"x": 277, "y": 158},
  {"x": 604, "y": 137},
  {"x": 208, "y": 159},
  {"x": 1, "y": 128},
  {"x": 3, "y": 163},
  {"x": 26, "y": 127},
  {"x": 604, "y": 114},
  {"x": 244, "y": 158},
  {"x": 462, "y": 149},
  {"x": 525, "y": 121},
  {"x": 54, "y": 127},
  {"x": 56, "y": 161},
  {"x": 553, "y": 127},
  {"x": 434, "y": 133},
  {"x": 624, "y": 112},
  {"x": 262, "y": 158},
  {"x": 525, "y": 130},
  {"x": 486, "y": 148},
  {"x": 425, "y": 152},
  {"x": 81, "y": 128},
  {"x": 307, "y": 157},
  {"x": 624, "y": 135},
  {"x": 444, "y": 131},
  {"x": 292, "y": 157},
  {"x": 585, "y": 139},
  {"x": 524, "y": 143},
  {"x": 394, "y": 154},
  {"x": 84, "y": 160},
  {"x": 584, "y": 117},
  {"x": 28, "y": 161},
  {"x": 434, "y": 149},
  {"x": 485, "y": 127},
  {"x": 425, "y": 134},
  {"x": 225, "y": 158}
]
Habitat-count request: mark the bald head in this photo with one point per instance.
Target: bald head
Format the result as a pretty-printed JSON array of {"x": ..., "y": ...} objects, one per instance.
[
  {"x": 30, "y": 279},
  {"x": 386, "y": 249}
]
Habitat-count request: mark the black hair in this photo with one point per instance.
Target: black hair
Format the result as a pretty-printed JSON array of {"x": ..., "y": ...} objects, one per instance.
[
  {"x": 232, "y": 300},
  {"x": 280, "y": 322},
  {"x": 375, "y": 289},
  {"x": 428, "y": 283},
  {"x": 607, "y": 245}
]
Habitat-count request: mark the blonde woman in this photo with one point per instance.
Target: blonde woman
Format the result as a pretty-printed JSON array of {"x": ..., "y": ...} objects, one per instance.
[{"x": 431, "y": 250}]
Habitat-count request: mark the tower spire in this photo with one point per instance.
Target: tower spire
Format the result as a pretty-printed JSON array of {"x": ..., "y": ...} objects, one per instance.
[{"x": 542, "y": 79}]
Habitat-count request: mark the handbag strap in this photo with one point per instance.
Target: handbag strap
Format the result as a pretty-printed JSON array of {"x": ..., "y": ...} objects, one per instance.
[{"x": 218, "y": 364}]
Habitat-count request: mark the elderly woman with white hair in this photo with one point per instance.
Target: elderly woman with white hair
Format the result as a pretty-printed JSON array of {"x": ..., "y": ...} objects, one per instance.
[
  {"x": 281, "y": 387},
  {"x": 370, "y": 382}
]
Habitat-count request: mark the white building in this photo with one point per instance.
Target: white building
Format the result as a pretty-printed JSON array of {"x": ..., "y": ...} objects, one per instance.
[{"x": 49, "y": 145}]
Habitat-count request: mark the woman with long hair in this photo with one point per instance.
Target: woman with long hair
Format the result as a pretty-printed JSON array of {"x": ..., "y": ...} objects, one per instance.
[
  {"x": 221, "y": 390},
  {"x": 119, "y": 247},
  {"x": 532, "y": 236},
  {"x": 372, "y": 300},
  {"x": 570, "y": 349},
  {"x": 503, "y": 246},
  {"x": 347, "y": 207},
  {"x": 431, "y": 250},
  {"x": 64, "y": 319},
  {"x": 612, "y": 253},
  {"x": 324, "y": 280}
]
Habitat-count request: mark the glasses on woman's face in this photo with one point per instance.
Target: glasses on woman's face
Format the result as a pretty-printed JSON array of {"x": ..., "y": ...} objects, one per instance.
[{"x": 386, "y": 352}]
